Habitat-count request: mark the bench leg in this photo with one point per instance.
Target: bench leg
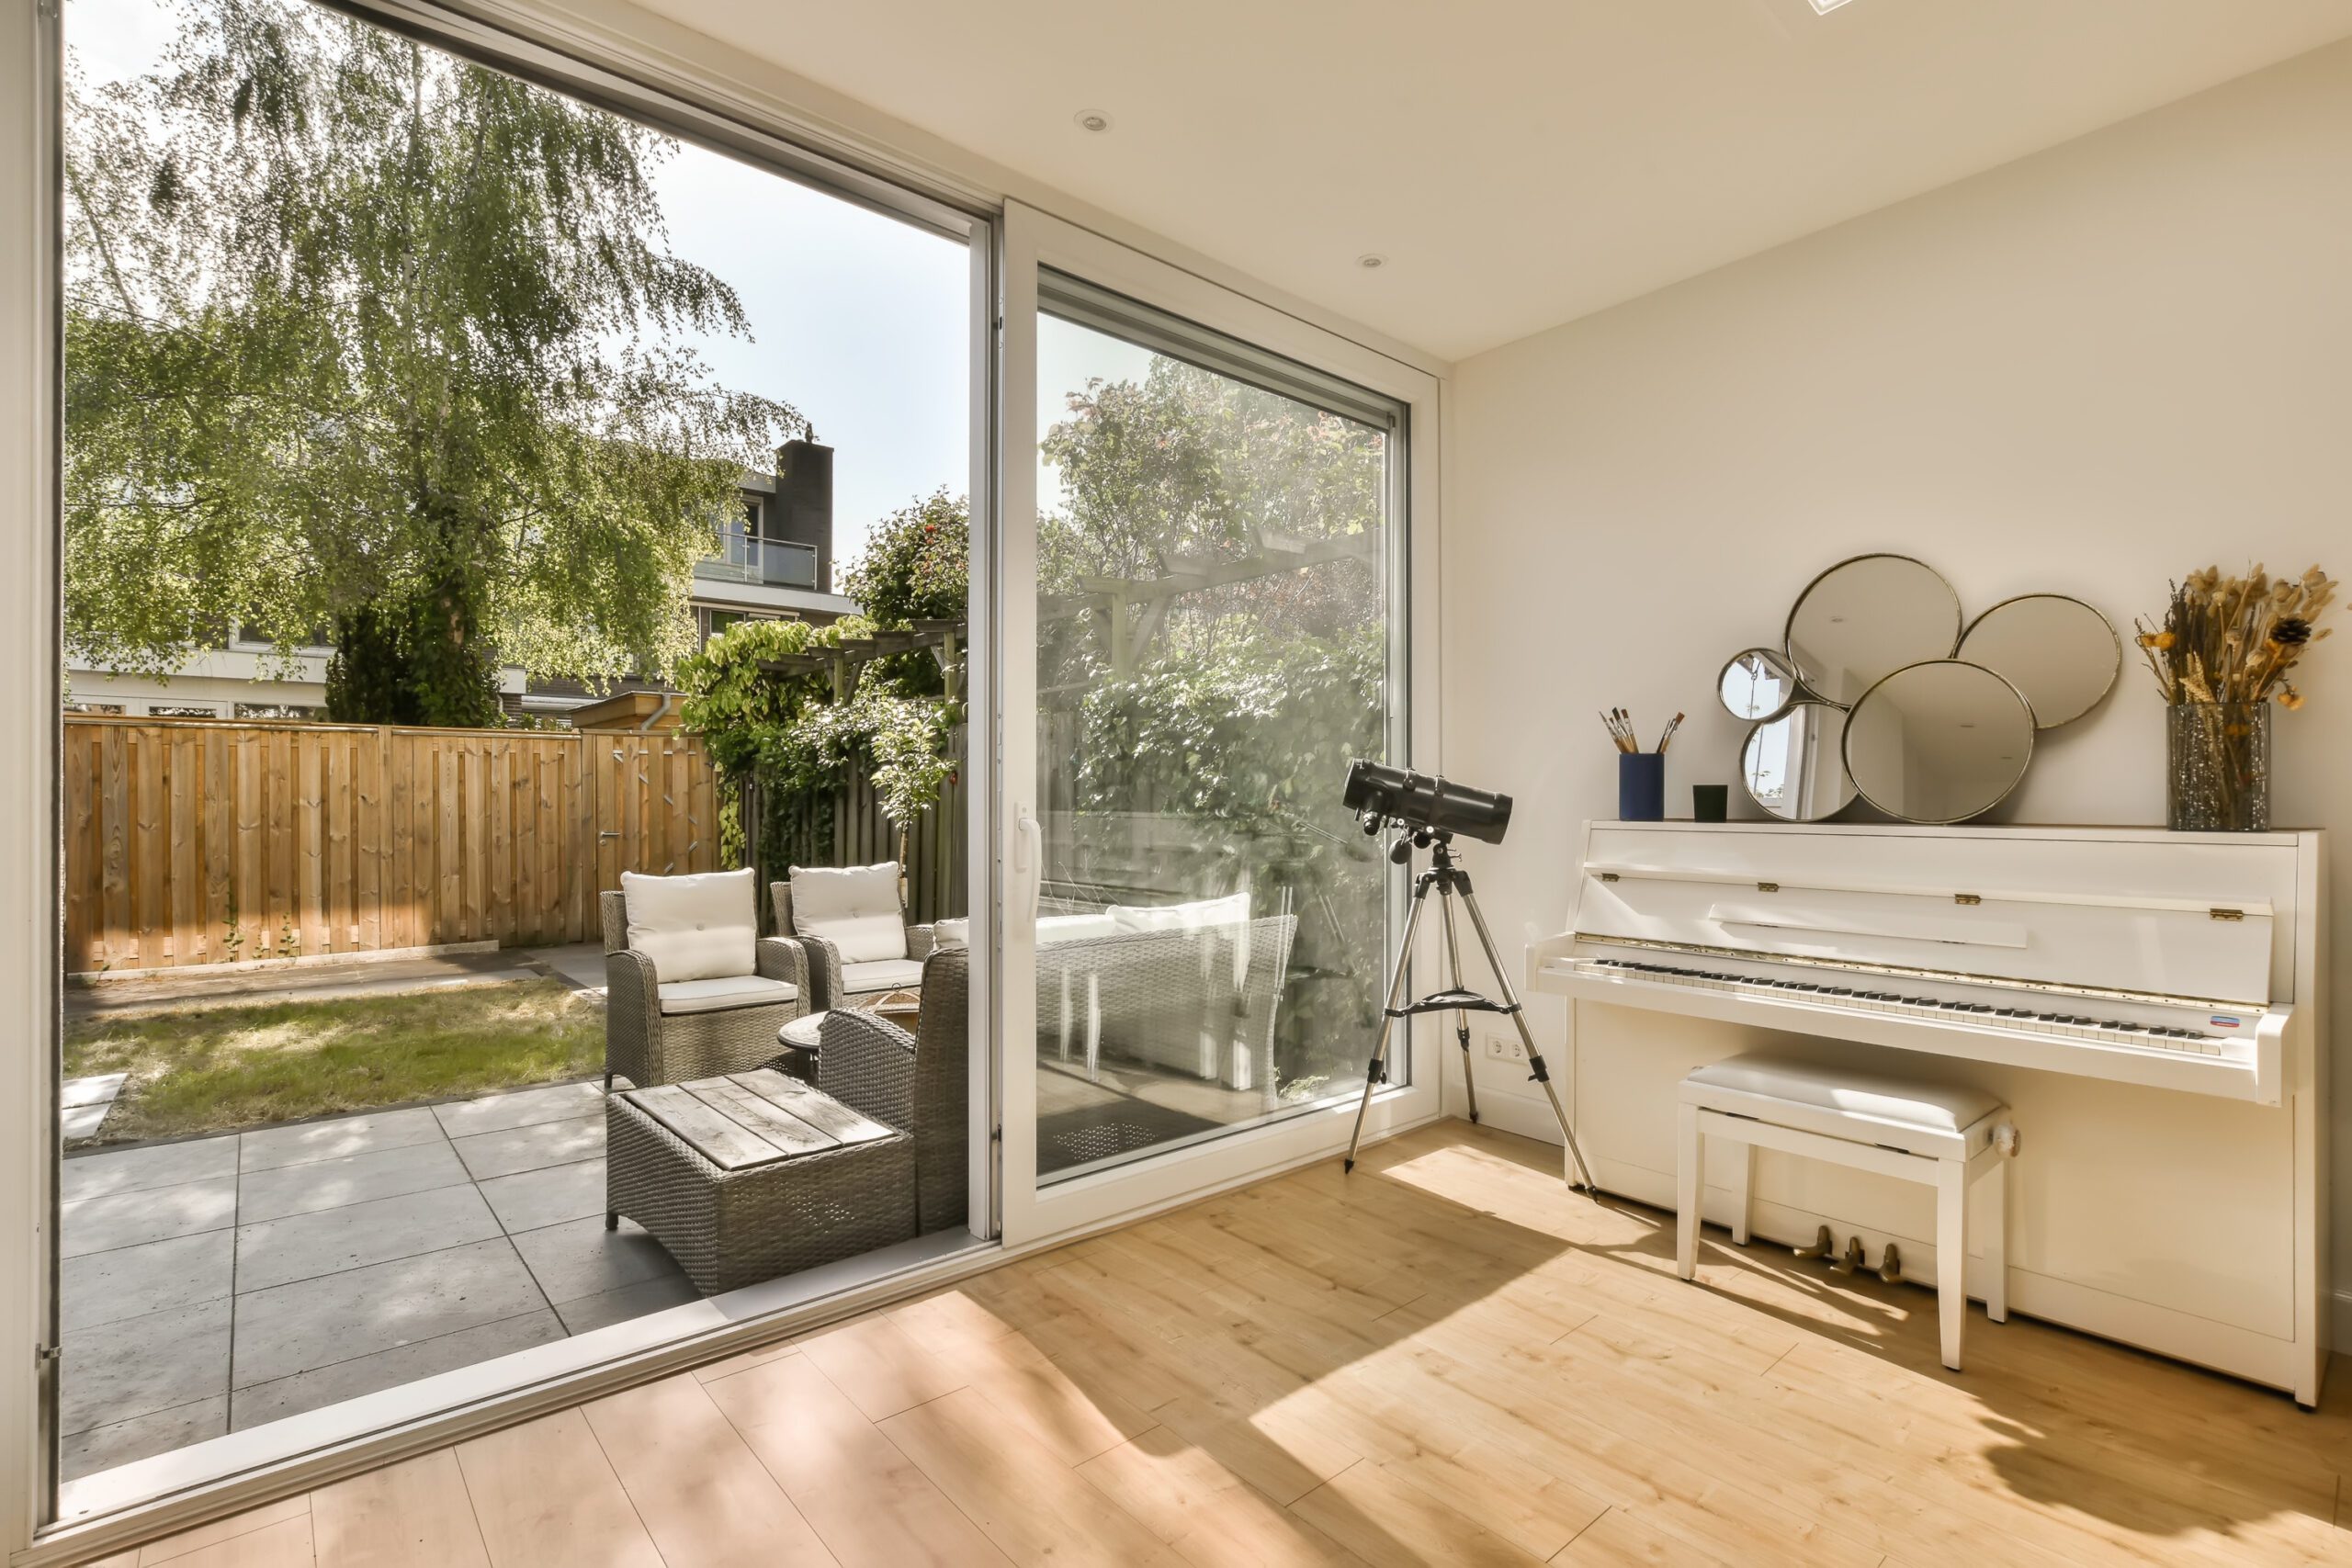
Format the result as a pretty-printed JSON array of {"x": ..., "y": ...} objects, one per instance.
[
  {"x": 1743, "y": 1182},
  {"x": 1951, "y": 1255},
  {"x": 1690, "y": 1180},
  {"x": 1996, "y": 1241}
]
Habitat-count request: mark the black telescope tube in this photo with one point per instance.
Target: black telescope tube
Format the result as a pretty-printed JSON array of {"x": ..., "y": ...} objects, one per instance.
[{"x": 1427, "y": 802}]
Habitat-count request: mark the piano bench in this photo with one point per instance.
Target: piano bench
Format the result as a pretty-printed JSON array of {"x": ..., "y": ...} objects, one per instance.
[{"x": 1943, "y": 1135}]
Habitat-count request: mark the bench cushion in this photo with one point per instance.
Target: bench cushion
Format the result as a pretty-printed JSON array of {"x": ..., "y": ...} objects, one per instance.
[
  {"x": 884, "y": 974},
  {"x": 1843, "y": 1102},
  {"x": 722, "y": 993}
]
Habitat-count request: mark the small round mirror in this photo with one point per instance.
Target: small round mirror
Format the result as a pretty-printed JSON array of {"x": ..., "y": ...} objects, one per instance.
[
  {"x": 1792, "y": 765},
  {"x": 1757, "y": 685},
  {"x": 2059, "y": 652},
  {"x": 1939, "y": 741},
  {"x": 1865, "y": 618}
]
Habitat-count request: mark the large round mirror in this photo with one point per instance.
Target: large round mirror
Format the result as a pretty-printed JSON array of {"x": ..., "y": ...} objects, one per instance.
[
  {"x": 2060, "y": 653},
  {"x": 1792, "y": 765},
  {"x": 1757, "y": 685},
  {"x": 1865, "y": 618},
  {"x": 1939, "y": 741}
]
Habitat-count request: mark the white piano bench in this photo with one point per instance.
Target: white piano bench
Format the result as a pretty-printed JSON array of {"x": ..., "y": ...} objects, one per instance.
[{"x": 1945, "y": 1137}]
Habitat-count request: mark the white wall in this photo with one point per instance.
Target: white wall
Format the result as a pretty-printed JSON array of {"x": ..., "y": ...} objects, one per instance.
[{"x": 2088, "y": 371}]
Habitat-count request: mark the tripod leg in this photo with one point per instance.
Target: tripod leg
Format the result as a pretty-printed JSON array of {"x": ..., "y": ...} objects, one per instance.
[
  {"x": 1535, "y": 1066},
  {"x": 1461, "y": 1018},
  {"x": 1375, "y": 1068}
]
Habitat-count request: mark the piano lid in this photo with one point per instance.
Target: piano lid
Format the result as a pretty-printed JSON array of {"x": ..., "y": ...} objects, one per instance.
[{"x": 2119, "y": 912}]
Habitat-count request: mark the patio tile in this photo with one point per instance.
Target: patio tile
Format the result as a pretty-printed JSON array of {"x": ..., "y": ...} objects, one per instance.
[
  {"x": 524, "y": 1107},
  {"x": 135, "y": 1171},
  {"x": 630, "y": 1301},
  {"x": 82, "y": 1121},
  {"x": 282, "y": 1397},
  {"x": 130, "y": 1281},
  {"x": 581, "y": 1257},
  {"x": 328, "y": 1241},
  {"x": 141, "y": 1365},
  {"x": 127, "y": 1219},
  {"x": 331, "y": 1183},
  {"x": 317, "y": 1323},
  {"x": 536, "y": 1199},
  {"x": 142, "y": 1437},
  {"x": 94, "y": 1090},
  {"x": 534, "y": 1147},
  {"x": 306, "y": 1141}
]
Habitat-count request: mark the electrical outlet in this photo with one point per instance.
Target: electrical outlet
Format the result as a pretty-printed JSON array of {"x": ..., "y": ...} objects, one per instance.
[{"x": 1506, "y": 1048}]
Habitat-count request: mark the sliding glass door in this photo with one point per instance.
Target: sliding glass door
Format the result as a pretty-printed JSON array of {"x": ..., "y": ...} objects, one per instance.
[{"x": 1212, "y": 620}]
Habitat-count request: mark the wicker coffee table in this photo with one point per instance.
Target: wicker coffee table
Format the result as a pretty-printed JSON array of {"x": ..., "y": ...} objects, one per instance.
[{"x": 754, "y": 1175}]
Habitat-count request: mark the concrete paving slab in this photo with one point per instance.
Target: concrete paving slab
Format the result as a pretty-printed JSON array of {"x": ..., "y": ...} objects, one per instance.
[
  {"x": 317, "y": 1323},
  {"x": 581, "y": 1257},
  {"x": 82, "y": 1121},
  {"x": 132, "y": 1282},
  {"x": 582, "y": 963},
  {"x": 127, "y": 1219},
  {"x": 328, "y": 1241},
  {"x": 357, "y": 1179},
  {"x": 306, "y": 1142},
  {"x": 142, "y": 1437},
  {"x": 535, "y": 1147},
  {"x": 135, "y": 1171},
  {"x": 524, "y": 1107},
  {"x": 94, "y": 1091},
  {"x": 282, "y": 1397},
  {"x": 630, "y": 1301},
  {"x": 156, "y": 1361},
  {"x": 533, "y": 1200}
]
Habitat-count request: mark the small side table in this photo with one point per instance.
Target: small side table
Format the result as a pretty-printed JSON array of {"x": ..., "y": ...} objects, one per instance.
[{"x": 796, "y": 1044}]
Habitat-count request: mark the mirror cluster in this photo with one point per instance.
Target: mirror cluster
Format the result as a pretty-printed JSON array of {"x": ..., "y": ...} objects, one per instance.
[{"x": 1879, "y": 691}]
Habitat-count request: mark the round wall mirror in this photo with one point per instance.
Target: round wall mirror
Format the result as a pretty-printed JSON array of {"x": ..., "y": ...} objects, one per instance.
[
  {"x": 1757, "y": 685},
  {"x": 1939, "y": 741},
  {"x": 1793, "y": 766},
  {"x": 2059, "y": 652},
  {"x": 1865, "y": 618}
]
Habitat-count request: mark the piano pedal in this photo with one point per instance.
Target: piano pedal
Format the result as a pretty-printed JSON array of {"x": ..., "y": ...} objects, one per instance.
[
  {"x": 1824, "y": 1244},
  {"x": 1853, "y": 1258},
  {"x": 1890, "y": 1267}
]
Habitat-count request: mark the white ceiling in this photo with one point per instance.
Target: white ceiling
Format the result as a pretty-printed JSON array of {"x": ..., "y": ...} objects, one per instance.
[{"x": 1519, "y": 162}]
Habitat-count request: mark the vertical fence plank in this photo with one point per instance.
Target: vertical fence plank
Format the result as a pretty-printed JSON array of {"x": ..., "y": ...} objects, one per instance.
[
  {"x": 247, "y": 920},
  {"x": 369, "y": 751},
  {"x": 185, "y": 890},
  {"x": 448, "y": 921},
  {"x": 151, "y": 849},
  {"x": 80, "y": 831}
]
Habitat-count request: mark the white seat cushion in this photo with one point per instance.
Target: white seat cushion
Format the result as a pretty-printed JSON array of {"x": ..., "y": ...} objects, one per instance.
[
  {"x": 1053, "y": 929},
  {"x": 722, "y": 993},
  {"x": 855, "y": 907},
  {"x": 694, "y": 927},
  {"x": 1842, "y": 1102},
  {"x": 882, "y": 975},
  {"x": 947, "y": 936}
]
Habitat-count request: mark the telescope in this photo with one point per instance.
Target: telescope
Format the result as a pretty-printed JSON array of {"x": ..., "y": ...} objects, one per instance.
[{"x": 1380, "y": 794}]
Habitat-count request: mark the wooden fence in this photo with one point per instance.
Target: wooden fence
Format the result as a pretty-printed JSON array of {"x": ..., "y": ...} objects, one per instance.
[{"x": 195, "y": 841}]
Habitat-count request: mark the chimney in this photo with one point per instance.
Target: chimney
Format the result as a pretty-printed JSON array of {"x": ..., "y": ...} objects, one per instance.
[{"x": 804, "y": 501}]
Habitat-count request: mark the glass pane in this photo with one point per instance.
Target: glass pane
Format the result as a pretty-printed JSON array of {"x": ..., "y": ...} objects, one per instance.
[{"x": 1214, "y": 643}]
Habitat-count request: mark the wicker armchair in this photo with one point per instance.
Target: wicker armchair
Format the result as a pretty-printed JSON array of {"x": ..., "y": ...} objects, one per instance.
[
  {"x": 647, "y": 1045},
  {"x": 829, "y": 986},
  {"x": 917, "y": 1083}
]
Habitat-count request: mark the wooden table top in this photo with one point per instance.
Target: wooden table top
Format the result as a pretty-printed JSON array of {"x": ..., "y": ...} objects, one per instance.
[{"x": 755, "y": 1118}]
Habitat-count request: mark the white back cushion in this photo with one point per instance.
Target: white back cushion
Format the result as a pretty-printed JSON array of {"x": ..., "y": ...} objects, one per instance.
[
  {"x": 704, "y": 927},
  {"x": 855, "y": 907},
  {"x": 1203, "y": 916}
]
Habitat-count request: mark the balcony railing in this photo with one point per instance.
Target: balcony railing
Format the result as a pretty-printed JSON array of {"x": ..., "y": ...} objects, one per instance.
[{"x": 747, "y": 558}]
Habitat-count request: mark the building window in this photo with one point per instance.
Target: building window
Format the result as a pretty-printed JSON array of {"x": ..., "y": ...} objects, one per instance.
[
  {"x": 183, "y": 710},
  {"x": 279, "y": 710},
  {"x": 94, "y": 708}
]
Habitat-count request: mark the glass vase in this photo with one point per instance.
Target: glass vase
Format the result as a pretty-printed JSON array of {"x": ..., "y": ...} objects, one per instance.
[{"x": 2217, "y": 777}]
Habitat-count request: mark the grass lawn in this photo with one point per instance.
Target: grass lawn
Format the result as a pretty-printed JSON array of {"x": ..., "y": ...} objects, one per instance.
[{"x": 212, "y": 1069}]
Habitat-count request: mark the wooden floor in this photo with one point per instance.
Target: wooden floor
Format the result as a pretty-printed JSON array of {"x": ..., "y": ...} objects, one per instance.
[{"x": 1444, "y": 1357}]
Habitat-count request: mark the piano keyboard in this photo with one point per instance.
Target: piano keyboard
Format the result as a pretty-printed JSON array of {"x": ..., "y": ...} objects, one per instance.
[{"x": 1912, "y": 1003}]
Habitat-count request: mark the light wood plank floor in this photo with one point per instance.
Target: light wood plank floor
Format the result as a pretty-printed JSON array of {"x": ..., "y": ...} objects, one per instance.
[{"x": 1444, "y": 1357}]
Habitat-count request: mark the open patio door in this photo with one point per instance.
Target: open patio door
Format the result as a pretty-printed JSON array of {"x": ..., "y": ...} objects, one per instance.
[{"x": 1215, "y": 585}]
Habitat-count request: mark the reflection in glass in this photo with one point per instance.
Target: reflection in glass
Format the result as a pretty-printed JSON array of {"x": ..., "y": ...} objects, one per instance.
[
  {"x": 1757, "y": 684},
  {"x": 2061, "y": 654},
  {"x": 1792, "y": 764},
  {"x": 1865, "y": 618},
  {"x": 1212, "y": 648},
  {"x": 1941, "y": 741}
]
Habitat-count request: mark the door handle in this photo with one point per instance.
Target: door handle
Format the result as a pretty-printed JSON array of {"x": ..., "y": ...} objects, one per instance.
[{"x": 1029, "y": 855}]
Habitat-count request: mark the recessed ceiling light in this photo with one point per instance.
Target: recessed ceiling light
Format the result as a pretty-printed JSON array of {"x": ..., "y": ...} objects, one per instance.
[
  {"x": 1096, "y": 121},
  {"x": 1371, "y": 261},
  {"x": 1823, "y": 7}
]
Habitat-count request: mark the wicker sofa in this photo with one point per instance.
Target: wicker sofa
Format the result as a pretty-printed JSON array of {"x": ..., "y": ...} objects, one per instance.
[
  {"x": 836, "y": 980},
  {"x": 659, "y": 1032}
]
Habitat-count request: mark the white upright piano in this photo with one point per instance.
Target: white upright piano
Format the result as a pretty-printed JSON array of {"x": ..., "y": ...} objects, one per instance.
[{"x": 2151, "y": 1005}]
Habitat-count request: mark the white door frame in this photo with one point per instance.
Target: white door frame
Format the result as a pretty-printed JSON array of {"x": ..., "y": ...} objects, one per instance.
[{"x": 1034, "y": 240}]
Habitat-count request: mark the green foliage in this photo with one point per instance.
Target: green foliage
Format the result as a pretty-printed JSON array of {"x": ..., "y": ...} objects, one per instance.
[
  {"x": 916, "y": 563},
  {"x": 354, "y": 328}
]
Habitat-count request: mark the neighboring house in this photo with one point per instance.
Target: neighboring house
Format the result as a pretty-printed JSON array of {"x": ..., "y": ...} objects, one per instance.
[{"x": 774, "y": 561}]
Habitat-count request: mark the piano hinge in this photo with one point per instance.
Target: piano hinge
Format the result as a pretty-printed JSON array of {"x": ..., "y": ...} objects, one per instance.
[
  {"x": 2226, "y": 914},
  {"x": 1968, "y": 899},
  {"x": 1768, "y": 887},
  {"x": 1608, "y": 876}
]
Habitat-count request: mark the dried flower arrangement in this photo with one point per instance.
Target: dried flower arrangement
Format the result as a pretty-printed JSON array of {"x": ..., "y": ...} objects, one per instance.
[{"x": 2236, "y": 639}]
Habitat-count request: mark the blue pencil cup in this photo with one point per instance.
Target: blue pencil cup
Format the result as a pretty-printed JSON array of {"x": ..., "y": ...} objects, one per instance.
[{"x": 1641, "y": 787}]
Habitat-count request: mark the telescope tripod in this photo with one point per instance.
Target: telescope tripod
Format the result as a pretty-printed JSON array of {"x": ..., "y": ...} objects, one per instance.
[{"x": 1445, "y": 878}]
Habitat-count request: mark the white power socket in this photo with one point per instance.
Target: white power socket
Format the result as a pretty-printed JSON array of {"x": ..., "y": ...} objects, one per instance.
[{"x": 1506, "y": 1048}]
